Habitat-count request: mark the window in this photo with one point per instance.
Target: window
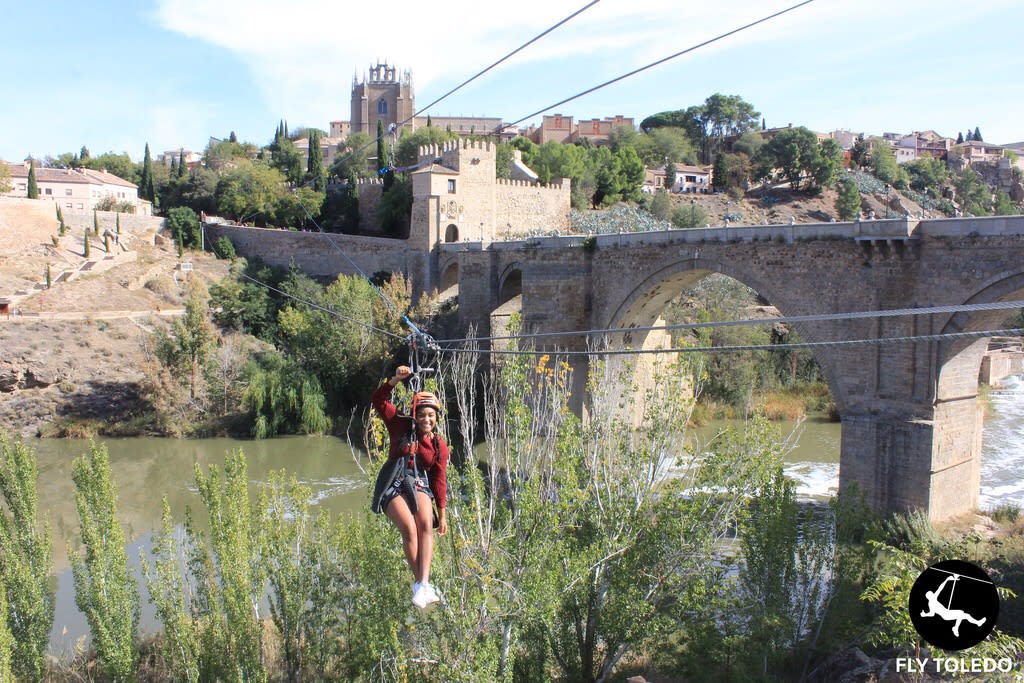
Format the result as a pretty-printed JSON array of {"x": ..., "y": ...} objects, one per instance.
[
  {"x": 451, "y": 186},
  {"x": 80, "y": 205},
  {"x": 67, "y": 192},
  {"x": 47, "y": 190},
  {"x": 68, "y": 205},
  {"x": 382, "y": 106}
]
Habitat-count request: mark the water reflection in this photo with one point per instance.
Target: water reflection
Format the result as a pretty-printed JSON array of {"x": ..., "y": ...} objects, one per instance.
[{"x": 148, "y": 469}]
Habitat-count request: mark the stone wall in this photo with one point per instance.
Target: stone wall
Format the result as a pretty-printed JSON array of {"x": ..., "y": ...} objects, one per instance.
[
  {"x": 78, "y": 221},
  {"x": 25, "y": 223},
  {"x": 319, "y": 254},
  {"x": 522, "y": 207}
]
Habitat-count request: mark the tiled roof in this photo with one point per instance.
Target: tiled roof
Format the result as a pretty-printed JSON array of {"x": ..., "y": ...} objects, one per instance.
[{"x": 68, "y": 175}]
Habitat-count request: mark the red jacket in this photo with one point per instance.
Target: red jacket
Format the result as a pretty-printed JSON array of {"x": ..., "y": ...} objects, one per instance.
[{"x": 433, "y": 462}]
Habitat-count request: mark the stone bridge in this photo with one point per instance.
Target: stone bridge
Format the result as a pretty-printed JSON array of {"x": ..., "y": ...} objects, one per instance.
[{"x": 911, "y": 422}]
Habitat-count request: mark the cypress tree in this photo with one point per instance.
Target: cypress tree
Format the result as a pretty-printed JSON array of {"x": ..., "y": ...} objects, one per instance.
[
  {"x": 233, "y": 137},
  {"x": 977, "y": 134},
  {"x": 174, "y": 168},
  {"x": 968, "y": 138},
  {"x": 383, "y": 162},
  {"x": 33, "y": 186},
  {"x": 181, "y": 164},
  {"x": 49, "y": 282},
  {"x": 95, "y": 223},
  {"x": 315, "y": 171},
  {"x": 85, "y": 244},
  {"x": 117, "y": 225},
  {"x": 960, "y": 138},
  {"x": 429, "y": 122},
  {"x": 146, "y": 182},
  {"x": 60, "y": 219},
  {"x": 106, "y": 242}
]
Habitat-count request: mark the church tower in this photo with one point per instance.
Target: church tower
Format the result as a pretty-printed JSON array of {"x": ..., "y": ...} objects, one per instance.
[{"x": 381, "y": 96}]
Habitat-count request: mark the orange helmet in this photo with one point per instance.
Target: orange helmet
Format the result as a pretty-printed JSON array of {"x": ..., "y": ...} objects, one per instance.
[{"x": 425, "y": 399}]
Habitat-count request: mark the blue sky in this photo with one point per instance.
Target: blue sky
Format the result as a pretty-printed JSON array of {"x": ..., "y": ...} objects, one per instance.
[{"x": 116, "y": 74}]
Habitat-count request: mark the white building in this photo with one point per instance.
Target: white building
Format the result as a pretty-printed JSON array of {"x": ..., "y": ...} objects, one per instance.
[{"x": 77, "y": 189}]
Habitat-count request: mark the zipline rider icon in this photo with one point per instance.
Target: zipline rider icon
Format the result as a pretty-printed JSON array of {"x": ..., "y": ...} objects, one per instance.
[{"x": 954, "y": 605}]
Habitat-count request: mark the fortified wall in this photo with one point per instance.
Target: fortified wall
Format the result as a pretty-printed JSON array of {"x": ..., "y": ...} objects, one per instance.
[
  {"x": 455, "y": 198},
  {"x": 320, "y": 254}
]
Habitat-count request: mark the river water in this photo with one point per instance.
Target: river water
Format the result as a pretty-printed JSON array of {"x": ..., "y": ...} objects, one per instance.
[{"x": 147, "y": 469}]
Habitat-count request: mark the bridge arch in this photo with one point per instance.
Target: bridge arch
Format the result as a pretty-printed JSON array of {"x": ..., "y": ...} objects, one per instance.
[
  {"x": 644, "y": 304},
  {"x": 450, "y": 276}
]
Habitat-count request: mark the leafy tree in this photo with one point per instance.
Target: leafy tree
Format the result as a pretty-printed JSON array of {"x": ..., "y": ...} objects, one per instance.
[
  {"x": 927, "y": 175},
  {"x": 343, "y": 355},
  {"x": 825, "y": 166},
  {"x": 5, "y": 178},
  {"x": 1004, "y": 206},
  {"x": 33, "y": 186},
  {"x": 883, "y": 161},
  {"x": 185, "y": 227},
  {"x": 350, "y": 161},
  {"x": 105, "y": 587},
  {"x": 710, "y": 123},
  {"x": 794, "y": 151},
  {"x": 299, "y": 208},
  {"x": 661, "y": 143},
  {"x": 861, "y": 151},
  {"x": 670, "y": 176},
  {"x": 748, "y": 143},
  {"x": 407, "y": 150},
  {"x": 504, "y": 154},
  {"x": 972, "y": 193},
  {"x": 632, "y": 173},
  {"x": 691, "y": 216},
  {"x": 185, "y": 350},
  {"x": 26, "y": 563},
  {"x": 165, "y": 582},
  {"x": 661, "y": 205},
  {"x": 229, "y": 578},
  {"x": 720, "y": 172},
  {"x": 240, "y": 304},
  {"x": 222, "y": 155},
  {"x": 848, "y": 201},
  {"x": 395, "y": 208},
  {"x": 316, "y": 174},
  {"x": 283, "y": 398},
  {"x": 250, "y": 191}
]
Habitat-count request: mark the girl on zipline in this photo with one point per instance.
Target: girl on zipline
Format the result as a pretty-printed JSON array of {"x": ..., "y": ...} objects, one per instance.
[{"x": 413, "y": 479}]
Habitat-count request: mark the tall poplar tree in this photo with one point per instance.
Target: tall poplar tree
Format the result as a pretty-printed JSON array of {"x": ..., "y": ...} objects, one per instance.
[{"x": 33, "y": 186}]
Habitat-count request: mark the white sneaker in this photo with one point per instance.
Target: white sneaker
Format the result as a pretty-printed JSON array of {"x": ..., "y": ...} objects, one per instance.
[
  {"x": 431, "y": 593},
  {"x": 420, "y": 597}
]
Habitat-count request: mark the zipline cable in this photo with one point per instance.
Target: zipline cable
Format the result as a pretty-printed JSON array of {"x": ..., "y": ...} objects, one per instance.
[
  {"x": 1011, "y": 332},
  {"x": 312, "y": 304},
  {"x": 854, "y": 315},
  {"x": 654, "y": 64},
  {"x": 480, "y": 73}
]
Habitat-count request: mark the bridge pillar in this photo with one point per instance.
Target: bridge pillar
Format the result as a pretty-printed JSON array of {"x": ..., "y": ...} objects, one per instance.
[{"x": 913, "y": 463}]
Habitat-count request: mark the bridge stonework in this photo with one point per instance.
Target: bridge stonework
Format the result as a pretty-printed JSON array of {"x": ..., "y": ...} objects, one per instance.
[{"x": 911, "y": 423}]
